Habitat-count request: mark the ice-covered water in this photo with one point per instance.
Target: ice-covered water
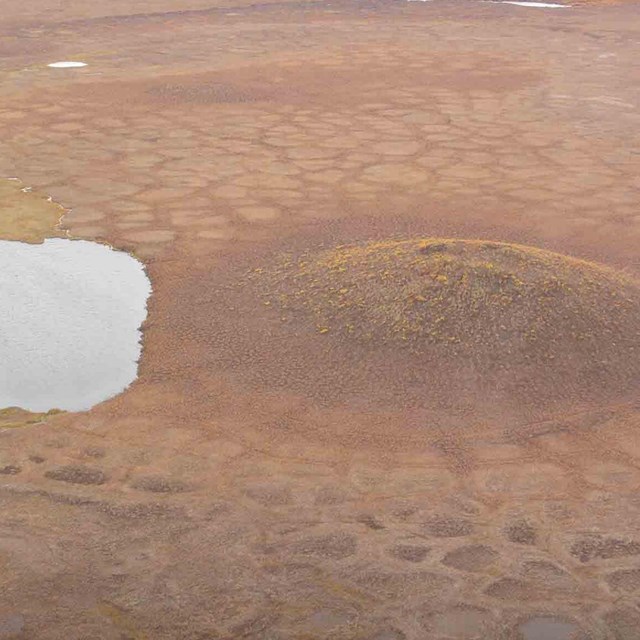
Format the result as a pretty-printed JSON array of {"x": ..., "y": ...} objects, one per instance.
[{"x": 70, "y": 317}]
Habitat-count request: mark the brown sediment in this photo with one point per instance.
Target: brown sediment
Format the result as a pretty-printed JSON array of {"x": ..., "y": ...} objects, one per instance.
[{"x": 262, "y": 479}]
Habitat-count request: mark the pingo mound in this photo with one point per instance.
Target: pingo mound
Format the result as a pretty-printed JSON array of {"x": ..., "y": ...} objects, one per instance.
[{"x": 486, "y": 307}]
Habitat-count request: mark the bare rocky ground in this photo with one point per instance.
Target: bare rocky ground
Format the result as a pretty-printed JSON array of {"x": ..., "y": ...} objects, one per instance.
[{"x": 212, "y": 502}]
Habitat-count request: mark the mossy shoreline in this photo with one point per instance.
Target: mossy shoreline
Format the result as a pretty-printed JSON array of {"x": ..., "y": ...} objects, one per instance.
[{"x": 27, "y": 216}]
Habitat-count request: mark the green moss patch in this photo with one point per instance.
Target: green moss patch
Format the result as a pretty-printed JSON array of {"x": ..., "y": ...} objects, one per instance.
[{"x": 25, "y": 215}]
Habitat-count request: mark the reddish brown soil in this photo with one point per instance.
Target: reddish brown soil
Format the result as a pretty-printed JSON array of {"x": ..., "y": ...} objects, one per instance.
[{"x": 213, "y": 502}]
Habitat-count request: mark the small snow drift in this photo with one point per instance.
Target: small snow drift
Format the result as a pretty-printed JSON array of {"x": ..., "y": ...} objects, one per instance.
[{"x": 67, "y": 64}]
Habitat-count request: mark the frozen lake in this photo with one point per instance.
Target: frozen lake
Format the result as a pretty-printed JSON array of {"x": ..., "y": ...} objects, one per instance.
[{"x": 69, "y": 323}]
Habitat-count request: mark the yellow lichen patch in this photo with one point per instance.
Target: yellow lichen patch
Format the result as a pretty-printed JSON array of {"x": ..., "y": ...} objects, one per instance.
[
  {"x": 122, "y": 621},
  {"x": 25, "y": 215},
  {"x": 483, "y": 305}
]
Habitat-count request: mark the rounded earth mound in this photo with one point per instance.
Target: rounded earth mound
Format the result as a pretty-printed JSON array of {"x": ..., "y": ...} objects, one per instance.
[{"x": 499, "y": 316}]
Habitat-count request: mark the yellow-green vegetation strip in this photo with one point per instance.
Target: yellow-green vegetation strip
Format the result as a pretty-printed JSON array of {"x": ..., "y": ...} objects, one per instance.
[
  {"x": 25, "y": 215},
  {"x": 13, "y": 417}
]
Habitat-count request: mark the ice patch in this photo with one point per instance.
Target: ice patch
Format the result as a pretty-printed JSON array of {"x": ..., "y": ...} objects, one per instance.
[{"x": 68, "y": 64}]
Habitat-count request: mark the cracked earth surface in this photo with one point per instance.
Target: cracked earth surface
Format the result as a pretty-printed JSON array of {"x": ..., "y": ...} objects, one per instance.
[{"x": 209, "y": 502}]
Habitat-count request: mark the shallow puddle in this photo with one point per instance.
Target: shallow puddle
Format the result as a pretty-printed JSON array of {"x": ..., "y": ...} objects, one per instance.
[
  {"x": 70, "y": 323},
  {"x": 544, "y": 628}
]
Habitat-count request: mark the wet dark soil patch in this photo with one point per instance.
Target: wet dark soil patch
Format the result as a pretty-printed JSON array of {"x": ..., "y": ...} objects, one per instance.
[
  {"x": 409, "y": 552},
  {"x": 521, "y": 532},
  {"x": 77, "y": 475},
  {"x": 448, "y": 527},
  {"x": 471, "y": 558},
  {"x": 157, "y": 484},
  {"x": 10, "y": 470},
  {"x": 625, "y": 580},
  {"x": 604, "y": 548}
]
